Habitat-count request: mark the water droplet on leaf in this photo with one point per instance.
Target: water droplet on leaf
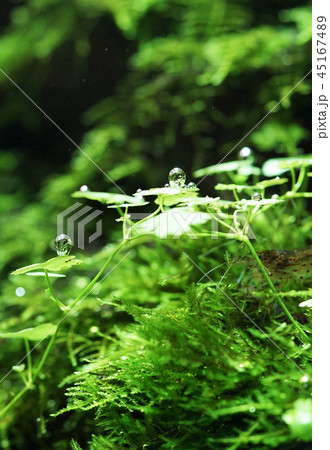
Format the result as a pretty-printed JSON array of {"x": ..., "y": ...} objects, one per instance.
[
  {"x": 63, "y": 244},
  {"x": 256, "y": 196},
  {"x": 166, "y": 185},
  {"x": 191, "y": 185},
  {"x": 83, "y": 188},
  {"x": 177, "y": 178},
  {"x": 138, "y": 194},
  {"x": 275, "y": 196}
]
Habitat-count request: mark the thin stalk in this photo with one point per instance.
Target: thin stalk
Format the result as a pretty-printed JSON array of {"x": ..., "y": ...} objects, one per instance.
[
  {"x": 226, "y": 225},
  {"x": 29, "y": 360},
  {"x": 236, "y": 195},
  {"x": 300, "y": 180},
  {"x": 52, "y": 293},
  {"x": 293, "y": 176},
  {"x": 269, "y": 281},
  {"x": 148, "y": 217},
  {"x": 44, "y": 356},
  {"x": 14, "y": 400},
  {"x": 105, "y": 265}
]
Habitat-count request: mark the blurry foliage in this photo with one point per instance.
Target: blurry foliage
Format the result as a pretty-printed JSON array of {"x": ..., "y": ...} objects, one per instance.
[{"x": 142, "y": 86}]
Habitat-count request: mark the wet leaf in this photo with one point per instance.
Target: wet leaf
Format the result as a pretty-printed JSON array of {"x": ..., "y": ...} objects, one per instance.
[
  {"x": 54, "y": 264},
  {"x": 33, "y": 334},
  {"x": 108, "y": 198}
]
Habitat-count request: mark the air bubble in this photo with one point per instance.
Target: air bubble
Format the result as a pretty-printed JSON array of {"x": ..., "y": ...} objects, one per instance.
[
  {"x": 138, "y": 194},
  {"x": 245, "y": 153},
  {"x": 256, "y": 196},
  {"x": 177, "y": 178},
  {"x": 20, "y": 292},
  {"x": 63, "y": 245}
]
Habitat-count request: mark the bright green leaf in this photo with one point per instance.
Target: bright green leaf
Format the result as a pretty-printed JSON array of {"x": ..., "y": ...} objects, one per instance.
[
  {"x": 54, "y": 264},
  {"x": 108, "y": 198},
  {"x": 277, "y": 166},
  {"x": 34, "y": 334}
]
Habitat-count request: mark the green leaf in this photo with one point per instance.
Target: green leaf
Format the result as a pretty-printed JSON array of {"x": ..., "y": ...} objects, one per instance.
[
  {"x": 243, "y": 168},
  {"x": 33, "y": 334},
  {"x": 277, "y": 166},
  {"x": 273, "y": 182},
  {"x": 169, "y": 196},
  {"x": 299, "y": 419},
  {"x": 233, "y": 187},
  {"x": 54, "y": 264},
  {"x": 128, "y": 205},
  {"x": 203, "y": 201},
  {"x": 108, "y": 198},
  {"x": 230, "y": 166},
  {"x": 263, "y": 202},
  {"x": 163, "y": 191},
  {"x": 257, "y": 187},
  {"x": 42, "y": 274}
]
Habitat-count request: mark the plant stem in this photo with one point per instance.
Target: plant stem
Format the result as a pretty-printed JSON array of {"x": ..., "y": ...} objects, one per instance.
[
  {"x": 98, "y": 275},
  {"x": 14, "y": 400},
  {"x": 300, "y": 180},
  {"x": 105, "y": 265},
  {"x": 280, "y": 301},
  {"x": 236, "y": 195},
  {"x": 52, "y": 293},
  {"x": 293, "y": 176},
  {"x": 29, "y": 361},
  {"x": 44, "y": 356}
]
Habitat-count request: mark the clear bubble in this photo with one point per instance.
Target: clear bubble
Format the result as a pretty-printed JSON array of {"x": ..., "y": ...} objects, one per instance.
[
  {"x": 20, "y": 292},
  {"x": 252, "y": 409},
  {"x": 177, "y": 178},
  {"x": 63, "y": 245},
  {"x": 166, "y": 185},
  {"x": 275, "y": 196},
  {"x": 245, "y": 153},
  {"x": 256, "y": 196},
  {"x": 138, "y": 194},
  {"x": 191, "y": 185},
  {"x": 83, "y": 188}
]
